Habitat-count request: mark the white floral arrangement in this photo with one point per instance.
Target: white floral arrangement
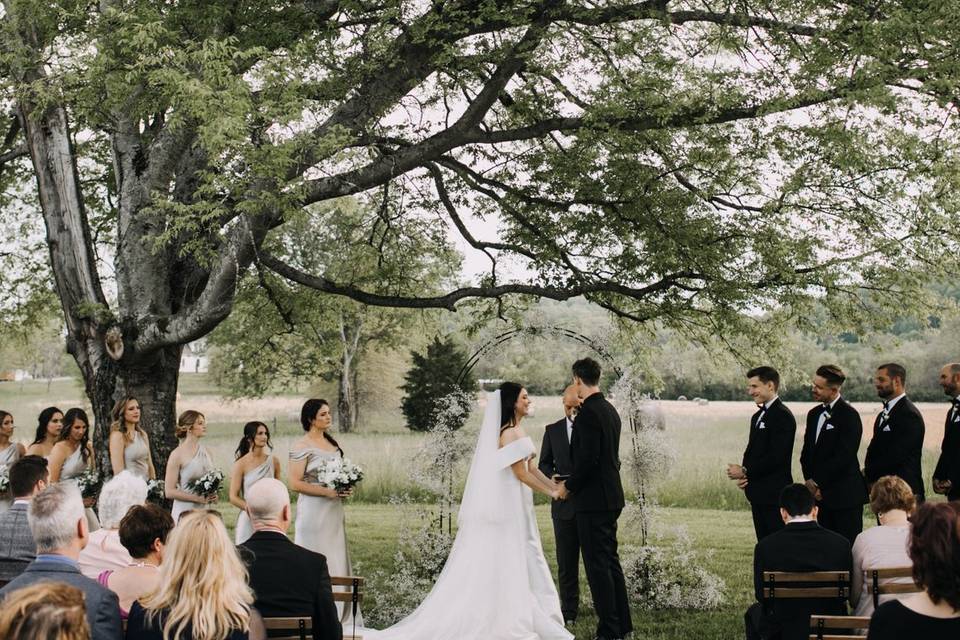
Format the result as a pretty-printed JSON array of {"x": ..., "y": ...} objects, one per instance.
[
  {"x": 89, "y": 483},
  {"x": 4, "y": 478},
  {"x": 206, "y": 485},
  {"x": 339, "y": 473},
  {"x": 155, "y": 490}
]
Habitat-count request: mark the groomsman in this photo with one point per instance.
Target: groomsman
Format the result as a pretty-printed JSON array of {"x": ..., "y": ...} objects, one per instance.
[
  {"x": 946, "y": 478},
  {"x": 897, "y": 443},
  {"x": 555, "y": 463},
  {"x": 829, "y": 460},
  {"x": 765, "y": 470}
]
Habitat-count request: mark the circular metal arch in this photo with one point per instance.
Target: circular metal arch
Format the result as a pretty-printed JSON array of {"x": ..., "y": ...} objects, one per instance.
[{"x": 538, "y": 331}]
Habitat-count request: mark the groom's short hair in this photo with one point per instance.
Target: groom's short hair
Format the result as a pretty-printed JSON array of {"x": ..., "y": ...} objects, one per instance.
[{"x": 588, "y": 370}]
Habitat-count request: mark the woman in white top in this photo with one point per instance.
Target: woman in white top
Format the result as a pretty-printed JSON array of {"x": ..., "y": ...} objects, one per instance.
[
  {"x": 10, "y": 452},
  {"x": 188, "y": 462},
  {"x": 883, "y": 547},
  {"x": 72, "y": 456},
  {"x": 496, "y": 582},
  {"x": 129, "y": 444},
  {"x": 49, "y": 425},
  {"x": 254, "y": 463}
]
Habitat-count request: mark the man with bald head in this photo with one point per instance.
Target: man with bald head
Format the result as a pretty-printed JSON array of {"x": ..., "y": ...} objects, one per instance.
[
  {"x": 287, "y": 580},
  {"x": 555, "y": 463},
  {"x": 946, "y": 477}
]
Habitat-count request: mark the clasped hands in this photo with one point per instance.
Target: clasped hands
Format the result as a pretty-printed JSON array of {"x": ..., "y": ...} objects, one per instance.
[
  {"x": 561, "y": 493},
  {"x": 737, "y": 472}
]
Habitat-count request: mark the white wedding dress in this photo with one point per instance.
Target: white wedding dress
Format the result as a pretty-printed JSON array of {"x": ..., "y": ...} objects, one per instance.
[{"x": 496, "y": 584}]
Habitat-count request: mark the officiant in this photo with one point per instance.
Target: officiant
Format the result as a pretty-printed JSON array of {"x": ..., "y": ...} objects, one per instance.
[{"x": 555, "y": 463}]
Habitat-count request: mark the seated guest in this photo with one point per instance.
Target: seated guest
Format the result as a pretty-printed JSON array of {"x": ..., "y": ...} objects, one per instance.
[
  {"x": 121, "y": 492},
  {"x": 193, "y": 601},
  {"x": 802, "y": 545},
  {"x": 287, "y": 580},
  {"x": 934, "y": 549},
  {"x": 48, "y": 610},
  {"x": 59, "y": 526},
  {"x": 883, "y": 547},
  {"x": 28, "y": 477},
  {"x": 143, "y": 533}
]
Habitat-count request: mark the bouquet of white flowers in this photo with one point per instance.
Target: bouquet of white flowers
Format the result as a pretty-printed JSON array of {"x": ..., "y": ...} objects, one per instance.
[
  {"x": 339, "y": 473},
  {"x": 155, "y": 490},
  {"x": 89, "y": 483},
  {"x": 206, "y": 485},
  {"x": 4, "y": 478}
]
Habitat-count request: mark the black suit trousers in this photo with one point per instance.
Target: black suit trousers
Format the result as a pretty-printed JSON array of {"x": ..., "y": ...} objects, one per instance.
[
  {"x": 598, "y": 541},
  {"x": 568, "y": 565},
  {"x": 766, "y": 519},
  {"x": 847, "y": 522}
]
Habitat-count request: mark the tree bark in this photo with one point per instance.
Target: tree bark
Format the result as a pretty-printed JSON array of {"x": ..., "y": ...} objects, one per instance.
[{"x": 347, "y": 389}]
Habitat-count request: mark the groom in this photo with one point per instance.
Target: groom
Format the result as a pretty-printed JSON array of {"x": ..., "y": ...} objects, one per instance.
[{"x": 597, "y": 495}]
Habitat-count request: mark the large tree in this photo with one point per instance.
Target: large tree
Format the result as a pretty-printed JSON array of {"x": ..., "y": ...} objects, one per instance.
[{"x": 673, "y": 160}]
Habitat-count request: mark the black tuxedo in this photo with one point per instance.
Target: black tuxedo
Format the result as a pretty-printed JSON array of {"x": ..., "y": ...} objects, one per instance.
[
  {"x": 288, "y": 580},
  {"x": 800, "y": 546},
  {"x": 555, "y": 460},
  {"x": 897, "y": 446},
  {"x": 767, "y": 460},
  {"x": 597, "y": 496},
  {"x": 948, "y": 466},
  {"x": 831, "y": 461}
]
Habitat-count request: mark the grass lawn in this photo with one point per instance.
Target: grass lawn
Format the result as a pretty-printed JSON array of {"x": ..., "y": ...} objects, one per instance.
[{"x": 725, "y": 539}]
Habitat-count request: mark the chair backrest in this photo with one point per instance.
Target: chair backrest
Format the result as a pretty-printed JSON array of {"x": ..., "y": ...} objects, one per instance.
[
  {"x": 872, "y": 578},
  {"x": 301, "y": 628},
  {"x": 806, "y": 584},
  {"x": 821, "y": 627}
]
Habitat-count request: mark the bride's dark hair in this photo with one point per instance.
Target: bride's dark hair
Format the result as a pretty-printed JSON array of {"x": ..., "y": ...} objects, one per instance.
[{"x": 509, "y": 394}]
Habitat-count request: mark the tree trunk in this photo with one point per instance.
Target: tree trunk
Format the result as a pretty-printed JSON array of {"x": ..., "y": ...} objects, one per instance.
[{"x": 347, "y": 396}]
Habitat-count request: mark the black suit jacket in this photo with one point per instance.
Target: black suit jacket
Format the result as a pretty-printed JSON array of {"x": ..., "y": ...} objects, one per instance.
[
  {"x": 288, "y": 580},
  {"x": 832, "y": 460},
  {"x": 595, "y": 453},
  {"x": 801, "y": 546},
  {"x": 103, "y": 609},
  {"x": 555, "y": 459},
  {"x": 948, "y": 466},
  {"x": 769, "y": 453},
  {"x": 896, "y": 451}
]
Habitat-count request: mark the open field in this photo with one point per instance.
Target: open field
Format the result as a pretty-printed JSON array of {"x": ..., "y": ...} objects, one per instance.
[{"x": 704, "y": 438}]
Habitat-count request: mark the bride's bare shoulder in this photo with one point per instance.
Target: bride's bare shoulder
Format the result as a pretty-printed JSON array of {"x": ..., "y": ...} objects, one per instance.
[{"x": 510, "y": 434}]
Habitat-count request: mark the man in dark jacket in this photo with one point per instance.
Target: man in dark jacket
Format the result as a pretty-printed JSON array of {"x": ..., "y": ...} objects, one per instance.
[
  {"x": 829, "y": 460},
  {"x": 59, "y": 526},
  {"x": 555, "y": 463},
  {"x": 766, "y": 466},
  {"x": 946, "y": 477},
  {"x": 287, "y": 580},
  {"x": 897, "y": 445},
  {"x": 802, "y": 545},
  {"x": 597, "y": 495},
  {"x": 28, "y": 477}
]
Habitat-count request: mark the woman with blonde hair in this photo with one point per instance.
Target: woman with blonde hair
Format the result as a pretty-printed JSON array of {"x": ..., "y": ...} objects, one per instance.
[
  {"x": 129, "y": 444},
  {"x": 883, "y": 547},
  {"x": 49, "y": 610},
  {"x": 193, "y": 601},
  {"x": 189, "y": 461}
]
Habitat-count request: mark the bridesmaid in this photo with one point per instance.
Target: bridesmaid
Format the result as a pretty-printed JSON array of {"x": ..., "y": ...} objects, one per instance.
[
  {"x": 49, "y": 425},
  {"x": 253, "y": 463},
  {"x": 72, "y": 456},
  {"x": 10, "y": 451},
  {"x": 188, "y": 462},
  {"x": 320, "y": 517},
  {"x": 129, "y": 445}
]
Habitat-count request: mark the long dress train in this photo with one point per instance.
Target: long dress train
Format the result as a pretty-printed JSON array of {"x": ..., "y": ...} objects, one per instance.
[{"x": 496, "y": 584}]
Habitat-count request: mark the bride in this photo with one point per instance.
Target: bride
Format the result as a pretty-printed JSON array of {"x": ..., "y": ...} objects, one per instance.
[{"x": 496, "y": 584}]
